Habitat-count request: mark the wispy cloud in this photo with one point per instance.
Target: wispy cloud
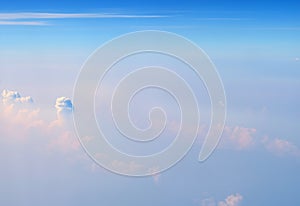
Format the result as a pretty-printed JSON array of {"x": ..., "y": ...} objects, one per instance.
[
  {"x": 282, "y": 147},
  {"x": 23, "y": 23},
  {"x": 32, "y": 15},
  {"x": 274, "y": 28},
  {"x": 33, "y": 18},
  {"x": 243, "y": 138},
  {"x": 220, "y": 19}
]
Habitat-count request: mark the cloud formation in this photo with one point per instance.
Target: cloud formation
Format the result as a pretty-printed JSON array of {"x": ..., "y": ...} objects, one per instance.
[
  {"x": 35, "y": 17},
  {"x": 63, "y": 105},
  {"x": 38, "y": 15},
  {"x": 243, "y": 138},
  {"x": 19, "y": 124},
  {"x": 23, "y": 23},
  {"x": 282, "y": 147},
  {"x": 232, "y": 200},
  {"x": 239, "y": 138},
  {"x": 12, "y": 97}
]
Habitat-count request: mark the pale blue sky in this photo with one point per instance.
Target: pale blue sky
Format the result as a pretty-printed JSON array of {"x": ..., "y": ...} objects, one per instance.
[{"x": 255, "y": 47}]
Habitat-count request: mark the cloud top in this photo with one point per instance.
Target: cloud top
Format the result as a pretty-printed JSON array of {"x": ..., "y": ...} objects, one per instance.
[
  {"x": 11, "y": 97},
  {"x": 63, "y": 104}
]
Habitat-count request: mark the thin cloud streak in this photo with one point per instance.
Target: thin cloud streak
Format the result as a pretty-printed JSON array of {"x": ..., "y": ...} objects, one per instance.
[
  {"x": 220, "y": 19},
  {"x": 32, "y": 15},
  {"x": 275, "y": 28},
  {"x": 23, "y": 23}
]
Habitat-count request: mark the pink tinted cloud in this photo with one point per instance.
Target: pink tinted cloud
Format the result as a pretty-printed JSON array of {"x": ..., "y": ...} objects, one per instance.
[
  {"x": 237, "y": 137},
  {"x": 17, "y": 123},
  {"x": 282, "y": 147},
  {"x": 232, "y": 200},
  {"x": 20, "y": 120},
  {"x": 65, "y": 142}
]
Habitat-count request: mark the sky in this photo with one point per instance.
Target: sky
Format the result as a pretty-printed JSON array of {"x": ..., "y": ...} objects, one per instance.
[{"x": 255, "y": 47}]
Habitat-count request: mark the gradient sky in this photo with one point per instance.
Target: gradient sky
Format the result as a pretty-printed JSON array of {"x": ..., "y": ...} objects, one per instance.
[{"x": 255, "y": 46}]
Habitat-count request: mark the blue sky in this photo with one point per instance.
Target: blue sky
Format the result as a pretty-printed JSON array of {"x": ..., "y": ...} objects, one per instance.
[{"x": 256, "y": 49}]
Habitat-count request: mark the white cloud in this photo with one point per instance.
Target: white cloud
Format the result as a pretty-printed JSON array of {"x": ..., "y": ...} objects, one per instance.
[
  {"x": 34, "y": 17},
  {"x": 29, "y": 124},
  {"x": 12, "y": 97},
  {"x": 63, "y": 105},
  {"x": 23, "y": 23},
  {"x": 231, "y": 200},
  {"x": 37, "y": 15},
  {"x": 274, "y": 28},
  {"x": 220, "y": 19}
]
